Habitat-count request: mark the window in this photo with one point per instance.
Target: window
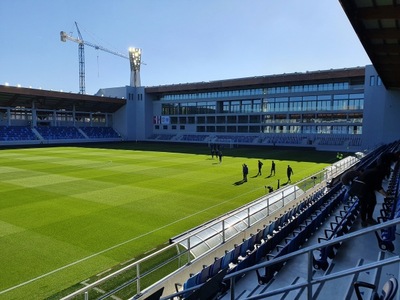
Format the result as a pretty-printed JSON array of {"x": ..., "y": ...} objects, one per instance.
[
  {"x": 269, "y": 129},
  {"x": 225, "y": 107},
  {"x": 324, "y": 102},
  {"x": 243, "y": 119},
  {"x": 255, "y": 119},
  {"x": 372, "y": 80},
  {"x": 210, "y": 128},
  {"x": 231, "y": 120},
  {"x": 221, "y": 120},
  {"x": 201, "y": 120},
  {"x": 282, "y": 104},
  {"x": 254, "y": 129},
  {"x": 235, "y": 107},
  {"x": 210, "y": 120},
  {"x": 295, "y": 104},
  {"x": 246, "y": 106},
  {"x": 257, "y": 105}
]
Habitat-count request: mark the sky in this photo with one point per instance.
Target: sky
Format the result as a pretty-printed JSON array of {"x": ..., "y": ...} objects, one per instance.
[{"x": 182, "y": 41}]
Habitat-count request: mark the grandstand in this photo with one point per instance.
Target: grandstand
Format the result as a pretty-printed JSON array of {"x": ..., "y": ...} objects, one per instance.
[{"x": 301, "y": 245}]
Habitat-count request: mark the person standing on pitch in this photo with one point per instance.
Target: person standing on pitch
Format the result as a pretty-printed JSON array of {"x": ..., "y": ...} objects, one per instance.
[
  {"x": 245, "y": 170},
  {"x": 289, "y": 173},
  {"x": 272, "y": 168},
  {"x": 260, "y": 164}
]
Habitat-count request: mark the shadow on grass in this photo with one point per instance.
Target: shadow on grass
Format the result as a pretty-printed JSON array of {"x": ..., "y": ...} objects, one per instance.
[
  {"x": 262, "y": 152},
  {"x": 239, "y": 182}
]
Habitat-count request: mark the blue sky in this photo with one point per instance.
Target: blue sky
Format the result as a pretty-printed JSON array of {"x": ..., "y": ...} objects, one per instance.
[{"x": 181, "y": 40}]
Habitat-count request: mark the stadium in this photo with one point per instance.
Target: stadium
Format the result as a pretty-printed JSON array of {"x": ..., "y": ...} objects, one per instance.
[{"x": 296, "y": 240}]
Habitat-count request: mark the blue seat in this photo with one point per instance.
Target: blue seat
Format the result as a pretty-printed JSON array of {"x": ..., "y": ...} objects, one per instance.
[
  {"x": 389, "y": 289},
  {"x": 192, "y": 281},
  {"x": 204, "y": 274},
  {"x": 216, "y": 266},
  {"x": 227, "y": 259}
]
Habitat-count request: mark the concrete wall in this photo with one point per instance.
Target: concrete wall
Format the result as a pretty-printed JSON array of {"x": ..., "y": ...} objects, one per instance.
[{"x": 381, "y": 112}]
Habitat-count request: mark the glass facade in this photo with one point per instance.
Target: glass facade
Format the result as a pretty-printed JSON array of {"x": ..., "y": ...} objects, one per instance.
[{"x": 323, "y": 108}]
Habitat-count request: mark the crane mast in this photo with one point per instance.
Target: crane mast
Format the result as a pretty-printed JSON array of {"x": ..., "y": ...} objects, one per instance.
[{"x": 134, "y": 58}]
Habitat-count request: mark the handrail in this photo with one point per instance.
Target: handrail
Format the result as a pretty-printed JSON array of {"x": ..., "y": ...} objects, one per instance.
[
  {"x": 334, "y": 241},
  {"x": 308, "y": 250}
]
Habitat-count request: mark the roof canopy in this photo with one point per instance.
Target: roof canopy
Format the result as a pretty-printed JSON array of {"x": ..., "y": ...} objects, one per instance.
[
  {"x": 42, "y": 99},
  {"x": 377, "y": 24}
]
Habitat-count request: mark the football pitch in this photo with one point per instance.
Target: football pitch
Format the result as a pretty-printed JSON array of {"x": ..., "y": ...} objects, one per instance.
[{"x": 68, "y": 213}]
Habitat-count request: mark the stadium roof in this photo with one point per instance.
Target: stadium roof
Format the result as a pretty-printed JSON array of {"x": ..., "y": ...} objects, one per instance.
[
  {"x": 377, "y": 24},
  {"x": 42, "y": 99},
  {"x": 357, "y": 74}
]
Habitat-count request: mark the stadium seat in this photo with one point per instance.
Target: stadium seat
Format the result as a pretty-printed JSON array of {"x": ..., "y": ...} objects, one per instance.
[{"x": 388, "y": 292}]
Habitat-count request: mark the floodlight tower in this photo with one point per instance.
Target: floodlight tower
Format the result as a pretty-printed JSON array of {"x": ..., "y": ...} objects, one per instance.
[{"x": 135, "y": 58}]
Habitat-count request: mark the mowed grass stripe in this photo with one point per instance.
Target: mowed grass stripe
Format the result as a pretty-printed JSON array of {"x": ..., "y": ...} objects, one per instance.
[{"x": 108, "y": 205}]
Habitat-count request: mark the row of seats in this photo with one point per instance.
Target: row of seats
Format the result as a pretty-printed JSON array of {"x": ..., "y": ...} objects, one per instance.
[
  {"x": 25, "y": 133},
  {"x": 337, "y": 141},
  {"x": 59, "y": 132},
  {"x": 259, "y": 245},
  {"x": 100, "y": 132},
  {"x": 282, "y": 139},
  {"x": 390, "y": 210},
  {"x": 341, "y": 225},
  {"x": 290, "y": 140},
  {"x": 194, "y": 138},
  {"x": 16, "y": 133},
  {"x": 308, "y": 222},
  {"x": 244, "y": 139},
  {"x": 162, "y": 137},
  {"x": 343, "y": 221}
]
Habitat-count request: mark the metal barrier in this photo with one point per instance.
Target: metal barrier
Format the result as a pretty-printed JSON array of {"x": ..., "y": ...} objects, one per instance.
[{"x": 310, "y": 281}]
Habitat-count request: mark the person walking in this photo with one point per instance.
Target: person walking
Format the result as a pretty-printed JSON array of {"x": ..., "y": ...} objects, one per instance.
[
  {"x": 272, "y": 168},
  {"x": 260, "y": 164},
  {"x": 364, "y": 188},
  {"x": 347, "y": 179},
  {"x": 289, "y": 173}
]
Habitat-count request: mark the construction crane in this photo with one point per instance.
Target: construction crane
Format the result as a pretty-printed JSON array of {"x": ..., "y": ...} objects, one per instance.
[{"x": 134, "y": 58}]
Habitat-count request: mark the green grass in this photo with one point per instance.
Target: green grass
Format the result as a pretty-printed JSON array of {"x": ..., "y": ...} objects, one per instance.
[{"x": 68, "y": 213}]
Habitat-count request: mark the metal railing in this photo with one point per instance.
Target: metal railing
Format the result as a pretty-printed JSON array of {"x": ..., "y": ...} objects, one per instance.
[{"x": 310, "y": 281}]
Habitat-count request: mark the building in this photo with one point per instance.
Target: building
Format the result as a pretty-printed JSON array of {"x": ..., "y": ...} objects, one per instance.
[{"x": 327, "y": 110}]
